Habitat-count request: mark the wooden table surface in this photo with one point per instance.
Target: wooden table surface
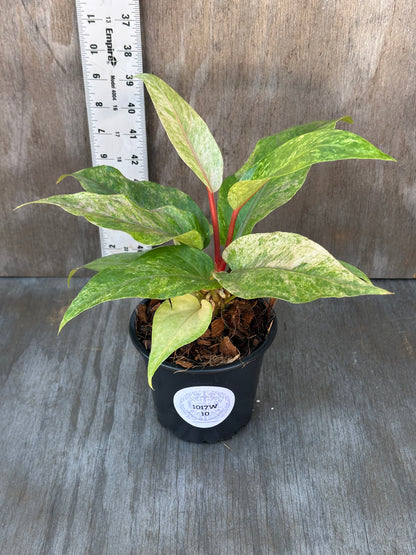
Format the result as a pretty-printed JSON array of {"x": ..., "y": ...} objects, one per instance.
[{"x": 327, "y": 464}]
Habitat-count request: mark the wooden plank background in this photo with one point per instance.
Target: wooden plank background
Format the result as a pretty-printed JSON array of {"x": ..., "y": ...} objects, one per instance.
[{"x": 250, "y": 68}]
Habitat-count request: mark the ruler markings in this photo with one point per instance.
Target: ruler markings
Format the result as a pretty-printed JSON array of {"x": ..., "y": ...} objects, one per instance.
[{"x": 111, "y": 53}]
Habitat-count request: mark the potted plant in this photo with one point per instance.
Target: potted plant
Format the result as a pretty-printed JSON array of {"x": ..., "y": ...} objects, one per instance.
[{"x": 208, "y": 311}]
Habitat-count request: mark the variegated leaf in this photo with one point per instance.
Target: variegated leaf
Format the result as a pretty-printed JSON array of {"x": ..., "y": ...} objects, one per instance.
[
  {"x": 224, "y": 209},
  {"x": 265, "y": 146},
  {"x": 260, "y": 198},
  {"x": 356, "y": 271},
  {"x": 176, "y": 322},
  {"x": 159, "y": 273},
  {"x": 151, "y": 227},
  {"x": 275, "y": 192},
  {"x": 106, "y": 180},
  {"x": 117, "y": 260},
  {"x": 290, "y": 267},
  {"x": 103, "y": 180},
  {"x": 187, "y": 131},
  {"x": 301, "y": 152}
]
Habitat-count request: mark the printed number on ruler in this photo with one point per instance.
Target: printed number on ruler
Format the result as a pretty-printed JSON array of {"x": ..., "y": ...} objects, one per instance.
[{"x": 109, "y": 35}]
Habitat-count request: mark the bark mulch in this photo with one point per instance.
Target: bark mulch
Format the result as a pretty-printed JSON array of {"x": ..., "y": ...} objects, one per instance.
[{"x": 234, "y": 334}]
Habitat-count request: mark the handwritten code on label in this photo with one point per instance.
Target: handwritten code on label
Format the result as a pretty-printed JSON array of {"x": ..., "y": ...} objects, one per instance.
[{"x": 204, "y": 406}]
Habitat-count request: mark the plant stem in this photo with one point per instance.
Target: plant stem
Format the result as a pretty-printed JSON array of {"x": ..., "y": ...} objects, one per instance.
[
  {"x": 230, "y": 234},
  {"x": 231, "y": 229},
  {"x": 214, "y": 217},
  {"x": 229, "y": 299}
]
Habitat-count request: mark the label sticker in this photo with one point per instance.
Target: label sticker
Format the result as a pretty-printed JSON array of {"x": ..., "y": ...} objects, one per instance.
[{"x": 204, "y": 406}]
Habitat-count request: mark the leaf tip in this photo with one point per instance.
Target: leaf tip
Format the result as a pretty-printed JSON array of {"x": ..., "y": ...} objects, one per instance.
[
  {"x": 379, "y": 290},
  {"x": 71, "y": 273},
  {"x": 152, "y": 366},
  {"x": 24, "y": 204},
  {"x": 385, "y": 292},
  {"x": 66, "y": 318},
  {"x": 150, "y": 375},
  {"x": 144, "y": 76},
  {"x": 62, "y": 177},
  {"x": 386, "y": 157}
]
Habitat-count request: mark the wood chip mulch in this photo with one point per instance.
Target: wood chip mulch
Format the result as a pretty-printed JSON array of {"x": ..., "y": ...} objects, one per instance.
[{"x": 232, "y": 335}]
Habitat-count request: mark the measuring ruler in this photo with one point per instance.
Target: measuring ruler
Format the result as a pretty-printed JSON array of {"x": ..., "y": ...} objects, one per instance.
[{"x": 111, "y": 53}]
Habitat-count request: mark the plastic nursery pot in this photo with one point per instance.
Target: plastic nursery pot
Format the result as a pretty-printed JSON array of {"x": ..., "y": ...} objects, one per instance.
[{"x": 206, "y": 405}]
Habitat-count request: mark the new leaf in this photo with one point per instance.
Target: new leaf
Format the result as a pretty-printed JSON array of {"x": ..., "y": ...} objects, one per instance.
[{"x": 176, "y": 322}]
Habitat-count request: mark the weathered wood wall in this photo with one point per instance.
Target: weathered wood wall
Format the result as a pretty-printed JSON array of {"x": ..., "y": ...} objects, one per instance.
[
  {"x": 43, "y": 133},
  {"x": 250, "y": 68}
]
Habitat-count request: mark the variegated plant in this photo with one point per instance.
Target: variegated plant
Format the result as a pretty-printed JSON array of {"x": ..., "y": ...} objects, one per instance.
[{"x": 278, "y": 265}]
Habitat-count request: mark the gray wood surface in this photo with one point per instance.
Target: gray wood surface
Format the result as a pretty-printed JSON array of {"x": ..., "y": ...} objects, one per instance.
[
  {"x": 43, "y": 134},
  {"x": 327, "y": 465},
  {"x": 250, "y": 68}
]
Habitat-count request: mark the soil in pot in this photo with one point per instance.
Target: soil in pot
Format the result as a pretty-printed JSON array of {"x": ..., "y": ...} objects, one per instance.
[{"x": 231, "y": 336}]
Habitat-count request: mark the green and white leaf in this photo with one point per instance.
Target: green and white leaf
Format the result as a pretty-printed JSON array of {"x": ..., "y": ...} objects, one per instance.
[
  {"x": 266, "y": 145},
  {"x": 272, "y": 193},
  {"x": 301, "y": 152},
  {"x": 176, "y": 323},
  {"x": 278, "y": 167},
  {"x": 160, "y": 273},
  {"x": 152, "y": 198},
  {"x": 290, "y": 267},
  {"x": 187, "y": 131},
  {"x": 276, "y": 191},
  {"x": 103, "y": 180},
  {"x": 151, "y": 227},
  {"x": 356, "y": 271},
  {"x": 117, "y": 260}
]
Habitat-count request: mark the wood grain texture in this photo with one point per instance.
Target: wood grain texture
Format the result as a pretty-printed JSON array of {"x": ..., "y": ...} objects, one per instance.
[
  {"x": 326, "y": 465},
  {"x": 43, "y": 134},
  {"x": 250, "y": 68}
]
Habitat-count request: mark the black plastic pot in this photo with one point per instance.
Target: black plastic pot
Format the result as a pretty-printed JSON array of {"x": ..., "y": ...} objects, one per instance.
[{"x": 206, "y": 405}]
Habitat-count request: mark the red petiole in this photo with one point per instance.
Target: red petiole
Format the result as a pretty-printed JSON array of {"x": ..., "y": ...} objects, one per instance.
[
  {"x": 231, "y": 229},
  {"x": 220, "y": 263},
  {"x": 214, "y": 217},
  {"x": 230, "y": 234}
]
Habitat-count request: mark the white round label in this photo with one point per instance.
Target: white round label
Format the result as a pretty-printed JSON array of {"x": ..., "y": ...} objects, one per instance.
[{"x": 204, "y": 406}]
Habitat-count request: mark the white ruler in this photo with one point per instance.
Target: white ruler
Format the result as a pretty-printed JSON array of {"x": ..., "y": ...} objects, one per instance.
[{"x": 110, "y": 42}]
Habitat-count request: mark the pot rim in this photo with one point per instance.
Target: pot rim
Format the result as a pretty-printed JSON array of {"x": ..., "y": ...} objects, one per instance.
[{"x": 240, "y": 363}]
